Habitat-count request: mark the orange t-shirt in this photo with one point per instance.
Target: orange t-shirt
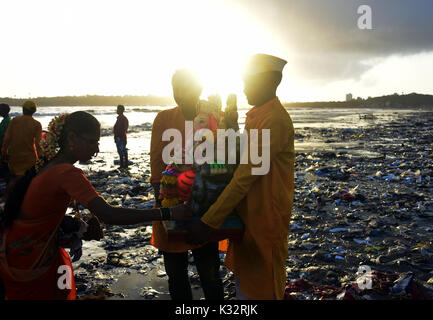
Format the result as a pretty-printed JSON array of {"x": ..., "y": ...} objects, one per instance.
[
  {"x": 21, "y": 139},
  {"x": 167, "y": 119}
]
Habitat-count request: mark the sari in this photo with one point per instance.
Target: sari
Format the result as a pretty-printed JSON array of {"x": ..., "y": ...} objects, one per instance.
[{"x": 32, "y": 264}]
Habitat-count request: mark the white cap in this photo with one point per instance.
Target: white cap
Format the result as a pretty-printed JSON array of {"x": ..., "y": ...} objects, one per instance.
[{"x": 260, "y": 63}]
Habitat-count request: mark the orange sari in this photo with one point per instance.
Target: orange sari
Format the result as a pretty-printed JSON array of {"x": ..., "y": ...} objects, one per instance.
[{"x": 30, "y": 256}]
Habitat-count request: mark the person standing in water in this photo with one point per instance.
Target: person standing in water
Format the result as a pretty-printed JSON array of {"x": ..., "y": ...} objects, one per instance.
[
  {"x": 4, "y": 112},
  {"x": 120, "y": 129}
]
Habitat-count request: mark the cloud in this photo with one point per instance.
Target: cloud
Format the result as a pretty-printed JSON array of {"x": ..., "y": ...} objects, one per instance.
[{"x": 322, "y": 38}]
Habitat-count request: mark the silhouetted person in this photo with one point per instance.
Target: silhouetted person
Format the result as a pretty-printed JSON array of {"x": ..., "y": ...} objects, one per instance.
[
  {"x": 120, "y": 129},
  {"x": 4, "y": 124},
  {"x": 231, "y": 113},
  {"x": 186, "y": 91},
  {"x": 263, "y": 200},
  {"x": 21, "y": 142}
]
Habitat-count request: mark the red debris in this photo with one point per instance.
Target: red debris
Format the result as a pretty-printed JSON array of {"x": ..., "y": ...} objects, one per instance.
[{"x": 347, "y": 196}]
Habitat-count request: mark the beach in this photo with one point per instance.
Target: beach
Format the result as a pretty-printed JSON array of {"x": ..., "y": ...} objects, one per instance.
[{"x": 363, "y": 196}]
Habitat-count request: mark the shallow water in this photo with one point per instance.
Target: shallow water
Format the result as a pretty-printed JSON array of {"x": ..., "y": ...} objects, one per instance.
[
  {"x": 308, "y": 123},
  {"x": 141, "y": 118}
]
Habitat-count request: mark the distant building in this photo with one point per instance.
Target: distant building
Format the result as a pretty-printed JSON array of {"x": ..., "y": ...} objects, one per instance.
[{"x": 349, "y": 97}]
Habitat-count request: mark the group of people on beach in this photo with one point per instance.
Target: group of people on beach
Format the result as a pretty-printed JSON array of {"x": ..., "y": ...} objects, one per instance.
[{"x": 33, "y": 261}]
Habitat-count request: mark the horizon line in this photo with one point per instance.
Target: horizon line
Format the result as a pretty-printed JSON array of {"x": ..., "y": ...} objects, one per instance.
[{"x": 171, "y": 98}]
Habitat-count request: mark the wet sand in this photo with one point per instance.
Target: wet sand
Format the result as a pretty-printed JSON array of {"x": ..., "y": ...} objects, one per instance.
[{"x": 386, "y": 223}]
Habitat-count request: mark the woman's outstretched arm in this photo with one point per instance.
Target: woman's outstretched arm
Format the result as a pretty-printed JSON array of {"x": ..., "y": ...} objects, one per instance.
[{"x": 127, "y": 216}]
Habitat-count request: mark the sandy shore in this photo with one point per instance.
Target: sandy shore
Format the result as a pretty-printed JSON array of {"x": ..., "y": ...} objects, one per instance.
[{"x": 363, "y": 196}]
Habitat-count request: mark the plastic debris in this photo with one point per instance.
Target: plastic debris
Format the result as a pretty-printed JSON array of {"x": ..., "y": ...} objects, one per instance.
[{"x": 338, "y": 230}]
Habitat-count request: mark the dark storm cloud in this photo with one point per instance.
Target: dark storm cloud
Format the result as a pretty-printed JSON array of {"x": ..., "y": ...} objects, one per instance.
[{"x": 325, "y": 37}]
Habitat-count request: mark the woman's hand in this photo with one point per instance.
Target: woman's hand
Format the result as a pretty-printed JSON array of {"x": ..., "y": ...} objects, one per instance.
[
  {"x": 181, "y": 212},
  {"x": 198, "y": 232},
  {"x": 83, "y": 228},
  {"x": 94, "y": 229}
]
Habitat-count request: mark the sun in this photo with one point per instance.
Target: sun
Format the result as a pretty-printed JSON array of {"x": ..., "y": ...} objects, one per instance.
[
  {"x": 131, "y": 47},
  {"x": 216, "y": 44},
  {"x": 222, "y": 76}
]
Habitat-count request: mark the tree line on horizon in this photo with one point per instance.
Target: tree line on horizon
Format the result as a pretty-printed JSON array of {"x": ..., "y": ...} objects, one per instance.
[
  {"x": 392, "y": 101},
  {"x": 395, "y": 100},
  {"x": 93, "y": 100}
]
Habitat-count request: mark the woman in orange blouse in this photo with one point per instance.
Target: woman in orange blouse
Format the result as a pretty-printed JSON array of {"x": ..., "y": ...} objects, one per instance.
[{"x": 32, "y": 264}]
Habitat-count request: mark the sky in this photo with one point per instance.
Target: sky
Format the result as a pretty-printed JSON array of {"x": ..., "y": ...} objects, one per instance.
[{"x": 58, "y": 47}]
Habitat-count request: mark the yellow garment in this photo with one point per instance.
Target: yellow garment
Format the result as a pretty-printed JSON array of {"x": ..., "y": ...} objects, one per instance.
[
  {"x": 21, "y": 143},
  {"x": 264, "y": 203},
  {"x": 170, "y": 202}
]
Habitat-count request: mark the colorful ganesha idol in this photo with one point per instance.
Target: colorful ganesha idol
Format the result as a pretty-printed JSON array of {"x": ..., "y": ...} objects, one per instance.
[
  {"x": 168, "y": 193},
  {"x": 176, "y": 185}
]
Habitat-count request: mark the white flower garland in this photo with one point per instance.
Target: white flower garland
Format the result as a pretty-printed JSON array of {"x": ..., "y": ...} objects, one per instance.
[{"x": 50, "y": 142}]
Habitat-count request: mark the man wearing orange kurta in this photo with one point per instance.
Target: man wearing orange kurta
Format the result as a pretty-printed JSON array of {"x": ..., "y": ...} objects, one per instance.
[
  {"x": 21, "y": 142},
  {"x": 186, "y": 91},
  {"x": 263, "y": 201}
]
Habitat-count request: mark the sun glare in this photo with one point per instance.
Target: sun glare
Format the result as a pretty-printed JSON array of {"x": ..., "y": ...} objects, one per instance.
[
  {"x": 129, "y": 47},
  {"x": 215, "y": 44}
]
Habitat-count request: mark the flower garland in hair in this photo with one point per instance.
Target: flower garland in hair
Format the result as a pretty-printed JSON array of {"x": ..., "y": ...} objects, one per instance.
[{"x": 50, "y": 140}]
